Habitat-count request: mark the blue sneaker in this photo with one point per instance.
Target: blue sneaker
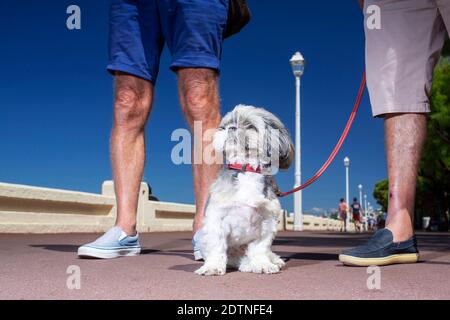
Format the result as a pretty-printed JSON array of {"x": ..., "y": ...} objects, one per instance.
[
  {"x": 196, "y": 246},
  {"x": 114, "y": 243},
  {"x": 380, "y": 250}
]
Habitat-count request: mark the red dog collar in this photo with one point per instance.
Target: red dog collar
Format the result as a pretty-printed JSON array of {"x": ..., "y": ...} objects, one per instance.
[{"x": 244, "y": 168}]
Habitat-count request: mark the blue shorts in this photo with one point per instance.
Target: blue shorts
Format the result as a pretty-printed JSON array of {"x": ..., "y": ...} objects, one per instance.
[{"x": 139, "y": 29}]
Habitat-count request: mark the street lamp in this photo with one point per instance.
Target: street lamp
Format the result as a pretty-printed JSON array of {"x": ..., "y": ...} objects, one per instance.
[
  {"x": 365, "y": 202},
  {"x": 298, "y": 67},
  {"x": 360, "y": 187},
  {"x": 347, "y": 165}
]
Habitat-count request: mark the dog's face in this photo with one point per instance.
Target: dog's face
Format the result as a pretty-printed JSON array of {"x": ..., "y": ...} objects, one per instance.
[{"x": 254, "y": 136}]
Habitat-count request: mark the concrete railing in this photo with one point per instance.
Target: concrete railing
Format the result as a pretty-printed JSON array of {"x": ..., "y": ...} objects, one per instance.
[
  {"x": 44, "y": 210},
  {"x": 317, "y": 223},
  {"x": 27, "y": 209}
]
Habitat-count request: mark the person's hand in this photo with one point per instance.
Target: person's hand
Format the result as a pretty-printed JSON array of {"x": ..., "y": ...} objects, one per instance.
[{"x": 361, "y": 3}]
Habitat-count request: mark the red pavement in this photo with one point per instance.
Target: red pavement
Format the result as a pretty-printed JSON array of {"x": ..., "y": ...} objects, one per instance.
[{"x": 34, "y": 267}]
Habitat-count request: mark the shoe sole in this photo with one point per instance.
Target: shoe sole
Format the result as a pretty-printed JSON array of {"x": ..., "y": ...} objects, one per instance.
[
  {"x": 366, "y": 262},
  {"x": 87, "y": 252}
]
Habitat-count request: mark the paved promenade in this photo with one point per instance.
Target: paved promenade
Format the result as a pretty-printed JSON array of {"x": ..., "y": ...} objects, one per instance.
[{"x": 35, "y": 267}]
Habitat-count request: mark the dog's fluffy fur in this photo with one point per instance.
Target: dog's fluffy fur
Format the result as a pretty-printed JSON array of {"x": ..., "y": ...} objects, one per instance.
[{"x": 242, "y": 211}]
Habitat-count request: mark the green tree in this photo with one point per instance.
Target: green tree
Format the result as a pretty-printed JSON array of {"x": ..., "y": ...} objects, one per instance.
[
  {"x": 381, "y": 194},
  {"x": 433, "y": 187}
]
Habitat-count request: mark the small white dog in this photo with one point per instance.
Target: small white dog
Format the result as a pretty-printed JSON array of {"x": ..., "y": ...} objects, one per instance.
[{"x": 242, "y": 211}]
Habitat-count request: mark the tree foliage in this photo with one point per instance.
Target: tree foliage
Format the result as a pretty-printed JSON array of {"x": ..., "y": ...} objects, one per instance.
[
  {"x": 433, "y": 188},
  {"x": 435, "y": 164},
  {"x": 381, "y": 194}
]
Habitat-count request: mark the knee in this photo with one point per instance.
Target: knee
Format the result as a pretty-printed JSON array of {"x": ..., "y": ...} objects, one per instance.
[
  {"x": 199, "y": 95},
  {"x": 131, "y": 108}
]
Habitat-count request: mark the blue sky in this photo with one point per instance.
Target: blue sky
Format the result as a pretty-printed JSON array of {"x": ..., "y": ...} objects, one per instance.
[{"x": 56, "y": 97}]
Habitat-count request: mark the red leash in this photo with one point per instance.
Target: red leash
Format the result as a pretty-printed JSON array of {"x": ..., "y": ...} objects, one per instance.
[{"x": 338, "y": 145}]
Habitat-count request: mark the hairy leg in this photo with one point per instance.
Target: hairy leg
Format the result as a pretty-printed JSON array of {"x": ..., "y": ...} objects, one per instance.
[
  {"x": 199, "y": 98},
  {"x": 405, "y": 136},
  {"x": 132, "y": 104}
]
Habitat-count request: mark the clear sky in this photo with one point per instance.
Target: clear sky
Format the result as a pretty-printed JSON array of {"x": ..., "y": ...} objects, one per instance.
[{"x": 56, "y": 97}]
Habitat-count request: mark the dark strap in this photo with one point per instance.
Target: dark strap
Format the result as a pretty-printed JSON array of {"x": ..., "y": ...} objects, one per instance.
[{"x": 238, "y": 17}]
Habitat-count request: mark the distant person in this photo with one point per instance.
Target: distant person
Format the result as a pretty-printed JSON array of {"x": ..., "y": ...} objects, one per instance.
[
  {"x": 371, "y": 222},
  {"x": 404, "y": 40},
  {"x": 356, "y": 214},
  {"x": 343, "y": 214}
]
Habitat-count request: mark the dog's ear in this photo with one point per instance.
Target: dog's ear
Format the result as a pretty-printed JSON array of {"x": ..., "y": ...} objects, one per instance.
[
  {"x": 286, "y": 149},
  {"x": 286, "y": 158},
  {"x": 279, "y": 138}
]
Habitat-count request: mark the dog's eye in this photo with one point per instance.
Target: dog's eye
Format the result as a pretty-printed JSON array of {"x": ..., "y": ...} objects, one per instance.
[
  {"x": 221, "y": 128},
  {"x": 250, "y": 127}
]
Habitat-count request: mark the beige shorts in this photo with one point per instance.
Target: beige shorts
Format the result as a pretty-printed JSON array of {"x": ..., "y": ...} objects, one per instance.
[{"x": 402, "y": 49}]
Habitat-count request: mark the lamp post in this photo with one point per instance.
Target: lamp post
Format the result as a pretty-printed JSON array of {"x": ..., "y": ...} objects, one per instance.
[
  {"x": 298, "y": 66},
  {"x": 360, "y": 187},
  {"x": 347, "y": 166},
  {"x": 365, "y": 202}
]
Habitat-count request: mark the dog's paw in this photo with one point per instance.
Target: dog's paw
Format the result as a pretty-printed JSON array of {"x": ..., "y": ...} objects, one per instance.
[
  {"x": 260, "y": 267},
  {"x": 210, "y": 270},
  {"x": 278, "y": 261}
]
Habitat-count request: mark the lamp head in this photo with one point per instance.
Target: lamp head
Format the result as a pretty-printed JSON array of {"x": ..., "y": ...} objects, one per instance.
[
  {"x": 298, "y": 64},
  {"x": 346, "y": 162}
]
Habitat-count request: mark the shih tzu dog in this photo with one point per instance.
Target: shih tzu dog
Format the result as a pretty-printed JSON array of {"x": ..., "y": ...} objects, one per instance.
[{"x": 241, "y": 216}]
